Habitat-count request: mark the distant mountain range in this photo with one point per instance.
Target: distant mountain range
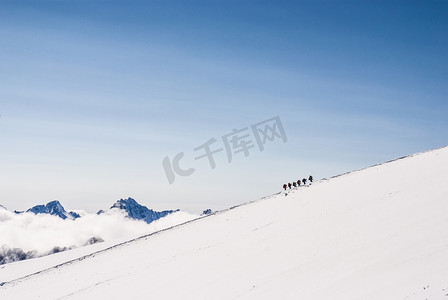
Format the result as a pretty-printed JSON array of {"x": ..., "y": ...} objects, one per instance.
[{"x": 132, "y": 209}]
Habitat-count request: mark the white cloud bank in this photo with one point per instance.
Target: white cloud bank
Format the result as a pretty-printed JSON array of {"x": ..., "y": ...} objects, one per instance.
[{"x": 42, "y": 232}]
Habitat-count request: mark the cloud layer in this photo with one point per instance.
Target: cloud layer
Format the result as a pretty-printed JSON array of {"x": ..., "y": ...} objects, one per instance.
[{"x": 40, "y": 234}]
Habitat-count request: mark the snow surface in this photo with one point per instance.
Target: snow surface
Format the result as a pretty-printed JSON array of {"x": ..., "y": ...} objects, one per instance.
[{"x": 376, "y": 233}]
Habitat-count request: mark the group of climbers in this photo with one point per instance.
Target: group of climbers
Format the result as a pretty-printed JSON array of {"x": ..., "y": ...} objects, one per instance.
[{"x": 297, "y": 183}]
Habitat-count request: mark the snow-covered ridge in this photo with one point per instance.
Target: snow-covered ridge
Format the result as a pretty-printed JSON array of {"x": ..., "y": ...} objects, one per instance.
[{"x": 377, "y": 233}]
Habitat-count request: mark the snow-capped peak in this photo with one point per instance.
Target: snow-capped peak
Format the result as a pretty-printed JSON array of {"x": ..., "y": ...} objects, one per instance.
[
  {"x": 53, "y": 208},
  {"x": 139, "y": 212}
]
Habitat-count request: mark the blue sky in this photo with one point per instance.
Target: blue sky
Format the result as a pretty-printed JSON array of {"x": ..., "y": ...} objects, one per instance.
[{"x": 94, "y": 94}]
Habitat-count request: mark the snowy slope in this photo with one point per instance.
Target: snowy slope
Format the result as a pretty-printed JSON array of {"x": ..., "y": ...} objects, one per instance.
[{"x": 377, "y": 233}]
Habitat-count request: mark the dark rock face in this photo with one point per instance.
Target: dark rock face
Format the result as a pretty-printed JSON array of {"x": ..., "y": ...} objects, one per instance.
[
  {"x": 207, "y": 212},
  {"x": 94, "y": 240},
  {"x": 8, "y": 255}
]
